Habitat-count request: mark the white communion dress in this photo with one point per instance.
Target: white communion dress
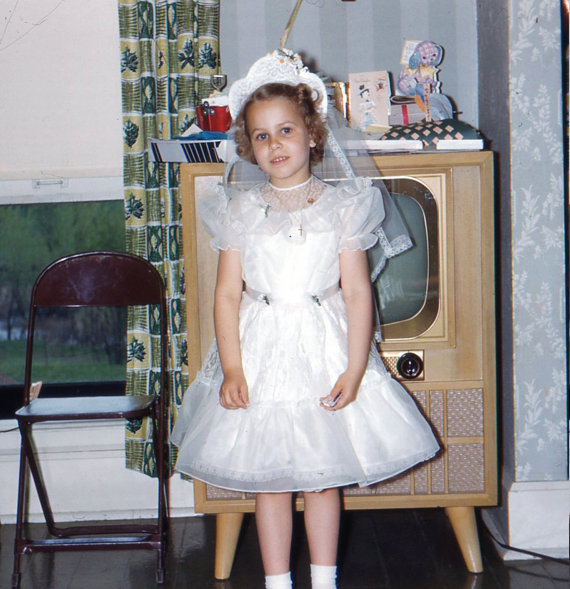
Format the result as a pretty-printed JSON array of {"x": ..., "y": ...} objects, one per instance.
[{"x": 293, "y": 332}]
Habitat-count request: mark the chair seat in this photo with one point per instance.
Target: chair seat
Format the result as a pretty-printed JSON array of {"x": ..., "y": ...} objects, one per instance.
[{"x": 77, "y": 408}]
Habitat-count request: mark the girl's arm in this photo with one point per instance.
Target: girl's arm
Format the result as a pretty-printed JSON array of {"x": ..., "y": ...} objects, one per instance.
[
  {"x": 357, "y": 292},
  {"x": 227, "y": 297}
]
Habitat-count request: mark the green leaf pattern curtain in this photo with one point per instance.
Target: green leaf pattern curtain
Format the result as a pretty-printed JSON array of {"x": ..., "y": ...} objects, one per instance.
[{"x": 169, "y": 50}]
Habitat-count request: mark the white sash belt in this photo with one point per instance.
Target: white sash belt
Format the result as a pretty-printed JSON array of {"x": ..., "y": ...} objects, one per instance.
[{"x": 292, "y": 297}]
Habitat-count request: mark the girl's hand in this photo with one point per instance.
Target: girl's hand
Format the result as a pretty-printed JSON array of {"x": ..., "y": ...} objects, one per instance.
[
  {"x": 344, "y": 391},
  {"x": 233, "y": 392}
]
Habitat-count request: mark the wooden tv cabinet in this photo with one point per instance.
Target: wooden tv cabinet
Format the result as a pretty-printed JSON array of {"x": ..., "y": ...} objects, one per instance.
[{"x": 458, "y": 386}]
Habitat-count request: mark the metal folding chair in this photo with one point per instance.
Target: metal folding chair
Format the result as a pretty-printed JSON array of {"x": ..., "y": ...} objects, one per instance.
[{"x": 93, "y": 279}]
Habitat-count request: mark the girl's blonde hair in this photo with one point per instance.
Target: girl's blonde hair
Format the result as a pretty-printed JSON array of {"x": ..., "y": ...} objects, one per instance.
[{"x": 302, "y": 97}]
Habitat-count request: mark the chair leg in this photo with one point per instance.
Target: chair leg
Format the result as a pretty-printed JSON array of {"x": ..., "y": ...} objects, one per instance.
[
  {"x": 19, "y": 538},
  {"x": 228, "y": 526},
  {"x": 161, "y": 460},
  {"x": 38, "y": 479},
  {"x": 159, "y": 576},
  {"x": 16, "y": 580},
  {"x": 464, "y": 525},
  {"x": 162, "y": 531}
]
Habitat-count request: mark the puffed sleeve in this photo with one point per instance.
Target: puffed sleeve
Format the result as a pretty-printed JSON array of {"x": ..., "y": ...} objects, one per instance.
[
  {"x": 221, "y": 220},
  {"x": 361, "y": 213}
]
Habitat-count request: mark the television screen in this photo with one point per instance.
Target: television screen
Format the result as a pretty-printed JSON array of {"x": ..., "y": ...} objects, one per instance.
[{"x": 407, "y": 289}]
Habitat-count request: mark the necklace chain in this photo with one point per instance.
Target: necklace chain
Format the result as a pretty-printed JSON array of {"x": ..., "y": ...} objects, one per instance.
[
  {"x": 289, "y": 188},
  {"x": 294, "y": 198}
]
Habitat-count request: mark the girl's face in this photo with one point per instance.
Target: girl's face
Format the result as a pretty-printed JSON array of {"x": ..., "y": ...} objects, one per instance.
[{"x": 280, "y": 140}]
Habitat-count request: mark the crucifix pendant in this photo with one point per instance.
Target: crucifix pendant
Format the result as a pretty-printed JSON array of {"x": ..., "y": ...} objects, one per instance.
[{"x": 296, "y": 233}]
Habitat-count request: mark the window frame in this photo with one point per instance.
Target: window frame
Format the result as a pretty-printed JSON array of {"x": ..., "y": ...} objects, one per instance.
[{"x": 55, "y": 189}]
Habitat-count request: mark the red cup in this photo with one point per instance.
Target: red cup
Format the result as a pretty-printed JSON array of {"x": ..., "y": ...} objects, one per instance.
[{"x": 214, "y": 118}]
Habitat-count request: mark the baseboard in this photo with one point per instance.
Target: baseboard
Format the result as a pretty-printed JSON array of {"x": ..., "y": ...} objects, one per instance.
[{"x": 537, "y": 519}]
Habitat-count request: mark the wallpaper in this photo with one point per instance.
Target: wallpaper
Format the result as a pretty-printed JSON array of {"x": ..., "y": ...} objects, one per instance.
[
  {"x": 538, "y": 299},
  {"x": 338, "y": 37}
]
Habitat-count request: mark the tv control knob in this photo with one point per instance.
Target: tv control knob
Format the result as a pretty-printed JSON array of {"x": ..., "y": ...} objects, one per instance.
[{"x": 409, "y": 365}]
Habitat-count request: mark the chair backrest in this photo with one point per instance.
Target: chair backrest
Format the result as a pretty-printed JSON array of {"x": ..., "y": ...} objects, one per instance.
[{"x": 96, "y": 279}]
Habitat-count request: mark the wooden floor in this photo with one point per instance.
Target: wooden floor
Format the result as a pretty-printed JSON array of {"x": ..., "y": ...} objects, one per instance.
[{"x": 407, "y": 549}]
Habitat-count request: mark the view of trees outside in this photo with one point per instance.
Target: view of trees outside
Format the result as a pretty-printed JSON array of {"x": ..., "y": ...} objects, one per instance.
[{"x": 90, "y": 343}]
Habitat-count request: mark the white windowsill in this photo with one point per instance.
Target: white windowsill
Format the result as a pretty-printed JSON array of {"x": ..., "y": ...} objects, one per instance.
[{"x": 60, "y": 189}]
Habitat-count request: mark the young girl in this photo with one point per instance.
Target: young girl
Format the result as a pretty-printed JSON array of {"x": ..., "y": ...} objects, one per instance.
[{"x": 292, "y": 396}]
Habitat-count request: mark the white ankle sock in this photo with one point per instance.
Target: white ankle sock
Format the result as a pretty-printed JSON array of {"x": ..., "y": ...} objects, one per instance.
[
  {"x": 323, "y": 577},
  {"x": 278, "y": 581}
]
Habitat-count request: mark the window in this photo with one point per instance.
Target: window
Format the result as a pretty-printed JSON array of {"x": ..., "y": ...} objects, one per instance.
[{"x": 32, "y": 236}]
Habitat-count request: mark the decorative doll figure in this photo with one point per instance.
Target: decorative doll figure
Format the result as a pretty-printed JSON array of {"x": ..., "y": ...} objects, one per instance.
[{"x": 421, "y": 68}]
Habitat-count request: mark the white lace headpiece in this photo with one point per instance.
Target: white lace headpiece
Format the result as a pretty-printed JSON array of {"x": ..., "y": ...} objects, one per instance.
[{"x": 281, "y": 66}]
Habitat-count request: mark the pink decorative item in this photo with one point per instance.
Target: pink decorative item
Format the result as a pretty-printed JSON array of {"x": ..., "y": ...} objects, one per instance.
[{"x": 421, "y": 68}]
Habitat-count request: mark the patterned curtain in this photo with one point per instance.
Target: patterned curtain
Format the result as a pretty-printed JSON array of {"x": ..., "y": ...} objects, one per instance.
[{"x": 169, "y": 50}]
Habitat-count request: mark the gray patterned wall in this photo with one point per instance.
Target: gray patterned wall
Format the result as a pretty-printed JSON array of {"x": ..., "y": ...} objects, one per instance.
[
  {"x": 338, "y": 37},
  {"x": 520, "y": 111},
  {"x": 538, "y": 300}
]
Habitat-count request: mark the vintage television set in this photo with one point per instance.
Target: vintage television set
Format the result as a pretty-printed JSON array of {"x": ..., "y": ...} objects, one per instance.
[{"x": 437, "y": 309}]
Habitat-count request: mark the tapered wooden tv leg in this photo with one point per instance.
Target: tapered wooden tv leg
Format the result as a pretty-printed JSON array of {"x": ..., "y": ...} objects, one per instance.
[
  {"x": 464, "y": 525},
  {"x": 228, "y": 526}
]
